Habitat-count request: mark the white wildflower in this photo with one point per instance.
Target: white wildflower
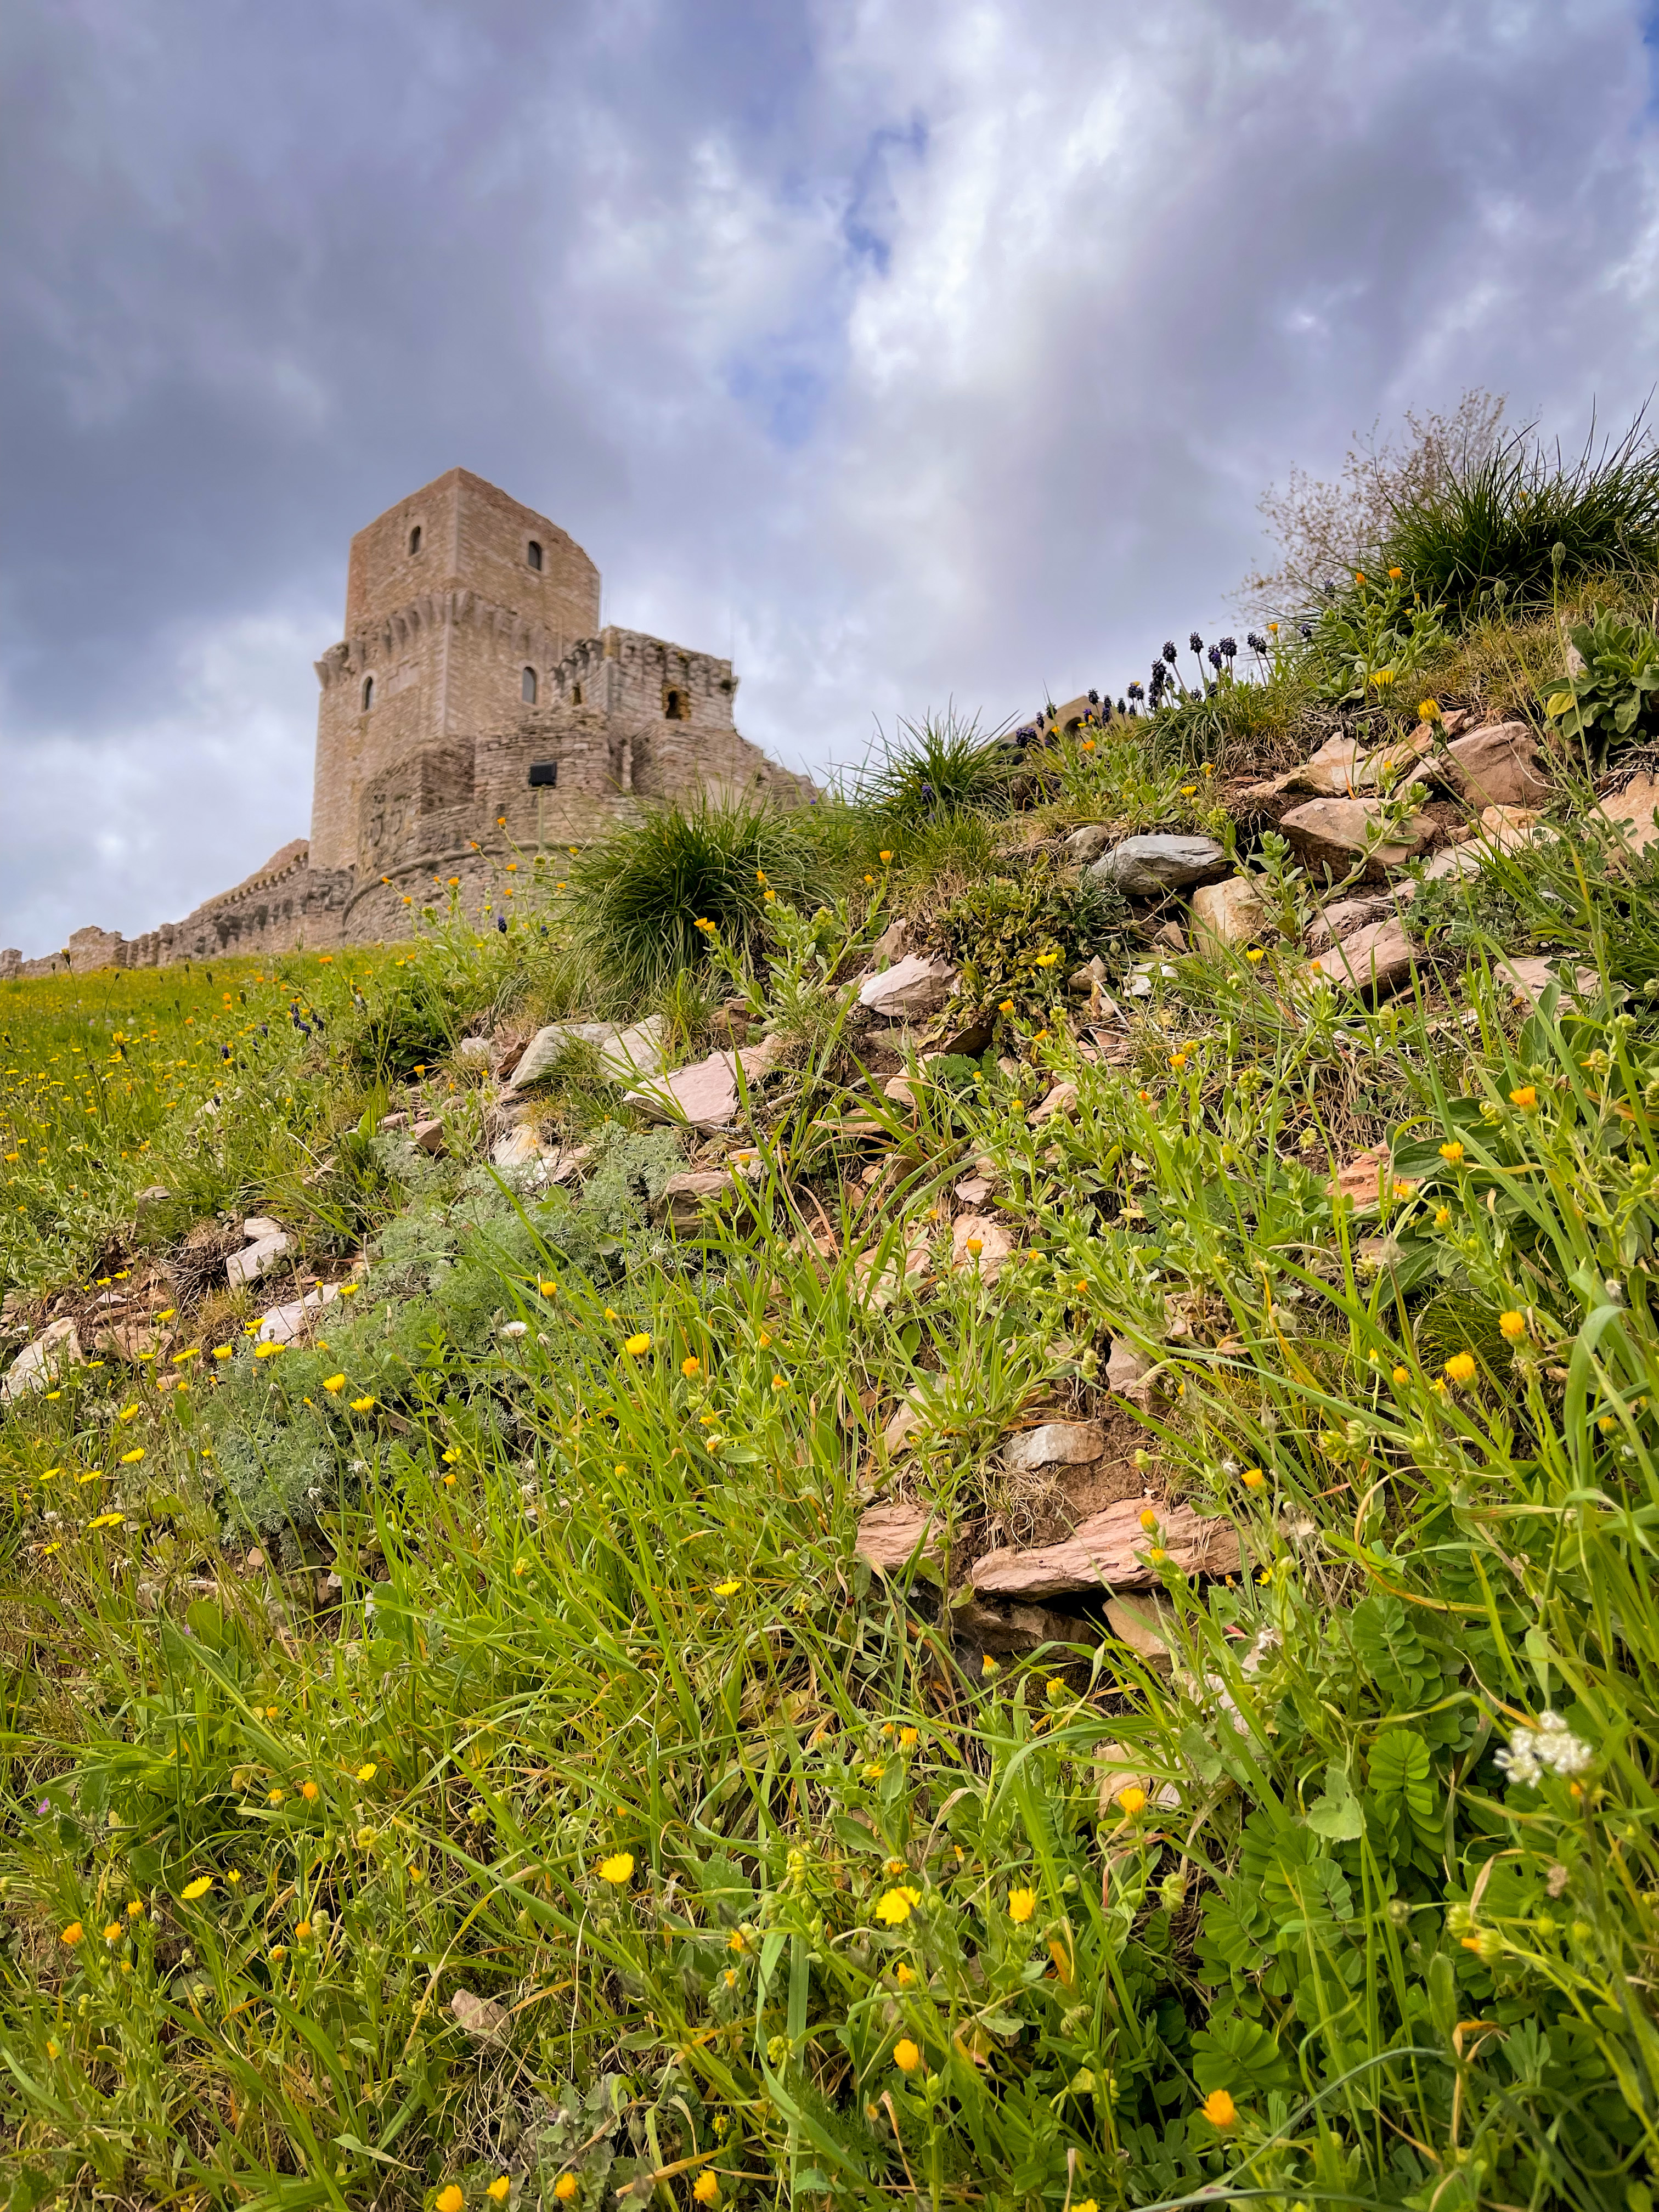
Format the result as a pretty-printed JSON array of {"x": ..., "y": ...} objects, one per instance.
[{"x": 1550, "y": 1748}]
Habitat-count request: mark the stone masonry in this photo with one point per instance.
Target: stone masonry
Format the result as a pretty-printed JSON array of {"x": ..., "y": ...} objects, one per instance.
[{"x": 474, "y": 707}]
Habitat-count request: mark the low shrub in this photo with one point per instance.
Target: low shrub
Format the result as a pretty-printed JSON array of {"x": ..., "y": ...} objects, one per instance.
[{"x": 938, "y": 768}]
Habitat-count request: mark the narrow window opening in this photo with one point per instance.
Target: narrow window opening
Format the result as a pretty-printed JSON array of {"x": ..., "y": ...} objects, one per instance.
[
  {"x": 543, "y": 775},
  {"x": 575, "y": 695},
  {"x": 415, "y": 540},
  {"x": 533, "y": 554},
  {"x": 368, "y": 693},
  {"x": 527, "y": 687},
  {"x": 673, "y": 706}
]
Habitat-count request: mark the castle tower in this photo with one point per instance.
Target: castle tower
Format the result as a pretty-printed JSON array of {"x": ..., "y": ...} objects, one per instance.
[{"x": 460, "y": 604}]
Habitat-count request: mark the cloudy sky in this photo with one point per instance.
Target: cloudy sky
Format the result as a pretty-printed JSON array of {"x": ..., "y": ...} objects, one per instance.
[{"x": 908, "y": 350}]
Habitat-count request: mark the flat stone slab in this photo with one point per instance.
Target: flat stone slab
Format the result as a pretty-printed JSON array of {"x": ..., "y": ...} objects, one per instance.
[
  {"x": 891, "y": 1536},
  {"x": 1530, "y": 978},
  {"x": 1349, "y": 915},
  {"x": 255, "y": 1259},
  {"x": 1108, "y": 1551},
  {"x": 1143, "y": 867},
  {"x": 910, "y": 990},
  {"x": 1331, "y": 834},
  {"x": 1088, "y": 843},
  {"x": 625, "y": 1052},
  {"x": 259, "y": 1226}
]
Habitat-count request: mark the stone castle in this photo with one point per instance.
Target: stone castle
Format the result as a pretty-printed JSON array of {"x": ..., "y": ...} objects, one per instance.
[{"x": 475, "y": 707}]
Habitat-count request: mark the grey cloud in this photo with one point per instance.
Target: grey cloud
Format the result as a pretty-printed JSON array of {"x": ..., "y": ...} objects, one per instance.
[{"x": 912, "y": 350}]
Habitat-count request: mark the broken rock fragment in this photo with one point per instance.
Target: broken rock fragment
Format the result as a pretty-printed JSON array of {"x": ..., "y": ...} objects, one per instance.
[
  {"x": 978, "y": 1241},
  {"x": 1497, "y": 765},
  {"x": 1052, "y": 1444},
  {"x": 1230, "y": 913},
  {"x": 891, "y": 1536},
  {"x": 680, "y": 1202},
  {"x": 1378, "y": 958},
  {"x": 910, "y": 990},
  {"x": 1109, "y": 1551},
  {"x": 1143, "y": 866},
  {"x": 38, "y": 1365},
  {"x": 1331, "y": 834}
]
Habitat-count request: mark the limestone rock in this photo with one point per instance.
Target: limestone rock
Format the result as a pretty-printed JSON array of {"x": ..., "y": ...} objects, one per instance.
[
  {"x": 1062, "y": 1099},
  {"x": 1630, "y": 814},
  {"x": 38, "y": 1365},
  {"x": 910, "y": 990},
  {"x": 259, "y": 1226},
  {"x": 1139, "y": 1622},
  {"x": 1143, "y": 867},
  {"x": 1127, "y": 1372},
  {"x": 428, "y": 1136},
  {"x": 891, "y": 1536},
  {"x": 258, "y": 1259},
  {"x": 156, "y": 1193},
  {"x": 1455, "y": 861},
  {"x": 1379, "y": 958},
  {"x": 1171, "y": 936},
  {"x": 624, "y": 1052},
  {"x": 1349, "y": 915},
  {"x": 679, "y": 1203},
  {"x": 1230, "y": 913},
  {"x": 1089, "y": 843},
  {"x": 995, "y": 1243},
  {"x": 973, "y": 1191},
  {"x": 1054, "y": 1443},
  {"x": 1512, "y": 829},
  {"x": 889, "y": 946},
  {"x": 902, "y": 1263},
  {"x": 519, "y": 1148},
  {"x": 1531, "y": 977},
  {"x": 1343, "y": 766},
  {"x": 1363, "y": 1179},
  {"x": 1108, "y": 1550},
  {"x": 903, "y": 1089},
  {"x": 481, "y": 2018},
  {"x": 1083, "y": 982},
  {"x": 705, "y": 1094},
  {"x": 282, "y": 1324},
  {"x": 1498, "y": 765},
  {"x": 1331, "y": 834},
  {"x": 1121, "y": 1768}
]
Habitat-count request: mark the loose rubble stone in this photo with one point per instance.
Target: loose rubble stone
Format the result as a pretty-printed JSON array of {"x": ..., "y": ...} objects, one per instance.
[
  {"x": 1512, "y": 829},
  {"x": 1062, "y": 1099},
  {"x": 1143, "y": 867},
  {"x": 1531, "y": 977},
  {"x": 1230, "y": 913},
  {"x": 394, "y": 1121},
  {"x": 889, "y": 946},
  {"x": 282, "y": 1324},
  {"x": 1127, "y": 1372},
  {"x": 38, "y": 1364},
  {"x": 1365, "y": 1178},
  {"x": 1121, "y": 1768},
  {"x": 1351, "y": 914},
  {"x": 1089, "y": 843},
  {"x": 995, "y": 1244},
  {"x": 891, "y": 1536},
  {"x": 1497, "y": 765},
  {"x": 1331, "y": 834},
  {"x": 625, "y": 1052},
  {"x": 258, "y": 1259},
  {"x": 1083, "y": 982},
  {"x": 1455, "y": 861},
  {"x": 1109, "y": 1550},
  {"x": 911, "y": 1260},
  {"x": 903, "y": 1089},
  {"x": 481, "y": 2018},
  {"x": 1139, "y": 1622},
  {"x": 1343, "y": 766},
  {"x": 973, "y": 1190},
  {"x": 259, "y": 1226},
  {"x": 1054, "y": 1443},
  {"x": 156, "y": 1193},
  {"x": 679, "y": 1203},
  {"x": 911, "y": 989},
  {"x": 475, "y": 1049},
  {"x": 1378, "y": 958},
  {"x": 518, "y": 1148},
  {"x": 428, "y": 1136},
  {"x": 1630, "y": 813},
  {"x": 705, "y": 1094}
]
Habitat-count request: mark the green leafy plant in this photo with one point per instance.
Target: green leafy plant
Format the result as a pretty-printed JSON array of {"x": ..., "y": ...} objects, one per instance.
[
  {"x": 1613, "y": 700},
  {"x": 1370, "y": 640},
  {"x": 1019, "y": 938}
]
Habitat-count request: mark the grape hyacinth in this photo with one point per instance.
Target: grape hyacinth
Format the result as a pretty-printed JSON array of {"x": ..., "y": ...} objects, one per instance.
[
  {"x": 1215, "y": 656},
  {"x": 1196, "y": 642},
  {"x": 1169, "y": 651},
  {"x": 1229, "y": 646}
]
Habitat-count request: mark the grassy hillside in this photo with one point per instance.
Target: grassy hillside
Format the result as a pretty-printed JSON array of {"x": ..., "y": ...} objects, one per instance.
[{"x": 464, "y": 1754}]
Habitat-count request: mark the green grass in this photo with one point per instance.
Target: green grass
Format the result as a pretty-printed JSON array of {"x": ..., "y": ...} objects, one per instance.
[
  {"x": 510, "y": 1646},
  {"x": 1524, "y": 521}
]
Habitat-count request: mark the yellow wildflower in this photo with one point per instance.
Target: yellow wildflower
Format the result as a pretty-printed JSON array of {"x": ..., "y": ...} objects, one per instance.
[
  {"x": 1460, "y": 1368},
  {"x": 1513, "y": 1325},
  {"x": 1219, "y": 2109},
  {"x": 617, "y": 1869},
  {"x": 333, "y": 1383},
  {"x": 906, "y": 2056},
  {"x": 894, "y": 1906},
  {"x": 1022, "y": 1904},
  {"x": 199, "y": 1888},
  {"x": 637, "y": 1346}
]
